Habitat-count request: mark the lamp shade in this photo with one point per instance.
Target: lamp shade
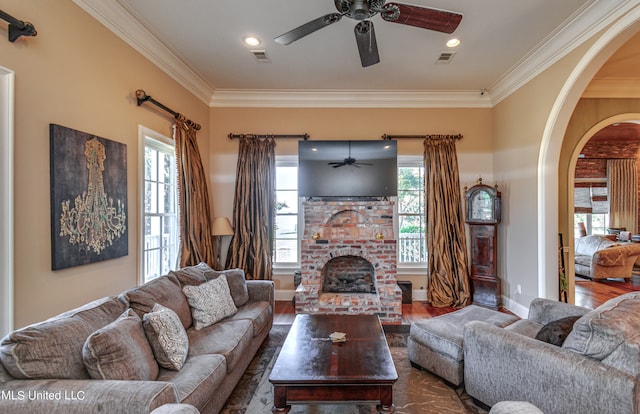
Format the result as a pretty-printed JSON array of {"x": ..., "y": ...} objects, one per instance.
[{"x": 222, "y": 227}]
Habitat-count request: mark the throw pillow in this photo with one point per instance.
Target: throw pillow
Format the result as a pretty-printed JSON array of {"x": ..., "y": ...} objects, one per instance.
[
  {"x": 120, "y": 351},
  {"x": 210, "y": 302},
  {"x": 236, "y": 281},
  {"x": 191, "y": 275},
  {"x": 165, "y": 290},
  {"x": 555, "y": 332},
  {"x": 167, "y": 337}
]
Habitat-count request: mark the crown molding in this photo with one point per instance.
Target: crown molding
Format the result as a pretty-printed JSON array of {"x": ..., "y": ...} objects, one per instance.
[
  {"x": 593, "y": 17},
  {"x": 349, "y": 99},
  {"x": 117, "y": 19},
  {"x": 582, "y": 25}
]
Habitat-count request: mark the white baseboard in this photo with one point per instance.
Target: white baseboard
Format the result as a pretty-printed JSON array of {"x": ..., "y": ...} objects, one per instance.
[
  {"x": 515, "y": 307},
  {"x": 419, "y": 294}
]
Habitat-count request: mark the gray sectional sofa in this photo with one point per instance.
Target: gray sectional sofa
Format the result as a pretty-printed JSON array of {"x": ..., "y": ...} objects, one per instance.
[
  {"x": 103, "y": 357},
  {"x": 596, "y": 370}
]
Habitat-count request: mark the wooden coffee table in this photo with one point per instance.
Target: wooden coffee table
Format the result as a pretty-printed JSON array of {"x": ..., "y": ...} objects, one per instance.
[{"x": 312, "y": 369}]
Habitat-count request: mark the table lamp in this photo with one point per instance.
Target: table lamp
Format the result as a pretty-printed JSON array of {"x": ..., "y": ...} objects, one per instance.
[{"x": 221, "y": 227}]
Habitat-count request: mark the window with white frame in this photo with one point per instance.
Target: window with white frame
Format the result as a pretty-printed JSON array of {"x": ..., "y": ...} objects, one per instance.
[
  {"x": 160, "y": 222},
  {"x": 286, "y": 250},
  {"x": 411, "y": 213}
]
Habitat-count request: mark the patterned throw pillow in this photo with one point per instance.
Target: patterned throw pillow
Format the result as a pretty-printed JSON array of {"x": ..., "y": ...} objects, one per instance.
[
  {"x": 120, "y": 351},
  {"x": 167, "y": 337},
  {"x": 210, "y": 302},
  {"x": 236, "y": 281}
]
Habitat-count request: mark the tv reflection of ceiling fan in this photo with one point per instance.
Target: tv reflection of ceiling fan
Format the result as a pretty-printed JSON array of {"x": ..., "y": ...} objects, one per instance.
[
  {"x": 348, "y": 161},
  {"x": 362, "y": 11}
]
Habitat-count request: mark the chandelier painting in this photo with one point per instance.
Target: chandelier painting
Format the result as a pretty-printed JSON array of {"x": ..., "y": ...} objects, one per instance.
[{"x": 88, "y": 198}]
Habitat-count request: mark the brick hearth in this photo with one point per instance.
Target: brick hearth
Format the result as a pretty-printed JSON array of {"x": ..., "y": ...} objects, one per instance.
[{"x": 349, "y": 228}]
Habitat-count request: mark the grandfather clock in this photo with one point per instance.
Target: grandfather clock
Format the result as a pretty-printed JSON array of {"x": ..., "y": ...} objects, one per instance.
[{"x": 483, "y": 217}]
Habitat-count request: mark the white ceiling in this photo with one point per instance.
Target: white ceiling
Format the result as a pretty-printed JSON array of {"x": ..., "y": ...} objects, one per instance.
[{"x": 504, "y": 44}]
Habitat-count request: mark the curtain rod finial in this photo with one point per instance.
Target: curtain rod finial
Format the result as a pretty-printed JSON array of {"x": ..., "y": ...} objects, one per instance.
[{"x": 141, "y": 97}]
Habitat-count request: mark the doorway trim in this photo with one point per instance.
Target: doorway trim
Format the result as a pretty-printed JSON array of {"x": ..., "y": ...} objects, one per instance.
[{"x": 6, "y": 199}]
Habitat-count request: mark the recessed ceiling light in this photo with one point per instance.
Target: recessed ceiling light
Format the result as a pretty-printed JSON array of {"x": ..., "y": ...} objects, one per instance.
[
  {"x": 453, "y": 42},
  {"x": 251, "y": 41}
]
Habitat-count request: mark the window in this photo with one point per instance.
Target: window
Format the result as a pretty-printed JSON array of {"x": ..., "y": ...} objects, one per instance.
[
  {"x": 160, "y": 227},
  {"x": 594, "y": 223},
  {"x": 411, "y": 213},
  {"x": 286, "y": 244}
]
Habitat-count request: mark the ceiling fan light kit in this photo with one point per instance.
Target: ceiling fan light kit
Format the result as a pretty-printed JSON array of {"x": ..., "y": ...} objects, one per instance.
[{"x": 363, "y": 10}]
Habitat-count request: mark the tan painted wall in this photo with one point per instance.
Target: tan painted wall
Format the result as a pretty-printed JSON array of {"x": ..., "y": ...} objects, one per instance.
[
  {"x": 474, "y": 150},
  {"x": 78, "y": 74},
  {"x": 519, "y": 124}
]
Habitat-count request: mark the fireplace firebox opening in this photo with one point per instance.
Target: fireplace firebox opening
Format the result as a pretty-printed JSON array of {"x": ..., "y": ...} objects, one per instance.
[{"x": 348, "y": 274}]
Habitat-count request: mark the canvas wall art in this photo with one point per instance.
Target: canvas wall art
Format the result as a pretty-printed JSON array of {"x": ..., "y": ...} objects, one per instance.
[{"x": 88, "y": 198}]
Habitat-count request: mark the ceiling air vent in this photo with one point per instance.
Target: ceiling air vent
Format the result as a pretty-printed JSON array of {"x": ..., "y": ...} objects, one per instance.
[
  {"x": 261, "y": 55},
  {"x": 445, "y": 57}
]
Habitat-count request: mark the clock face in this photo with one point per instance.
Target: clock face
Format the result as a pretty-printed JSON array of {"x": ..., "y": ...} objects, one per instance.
[{"x": 482, "y": 206}]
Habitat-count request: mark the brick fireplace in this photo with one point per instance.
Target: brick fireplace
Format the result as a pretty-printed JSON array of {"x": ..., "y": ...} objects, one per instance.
[{"x": 349, "y": 241}]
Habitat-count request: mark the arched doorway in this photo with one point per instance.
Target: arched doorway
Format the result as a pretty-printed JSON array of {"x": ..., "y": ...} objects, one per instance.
[
  {"x": 550, "y": 167},
  {"x": 599, "y": 125}
]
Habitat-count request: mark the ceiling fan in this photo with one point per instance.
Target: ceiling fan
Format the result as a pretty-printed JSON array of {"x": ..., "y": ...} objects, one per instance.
[
  {"x": 362, "y": 10},
  {"x": 348, "y": 161}
]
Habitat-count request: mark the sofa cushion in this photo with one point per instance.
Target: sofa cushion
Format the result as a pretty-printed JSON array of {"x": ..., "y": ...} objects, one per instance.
[
  {"x": 236, "y": 281},
  {"x": 259, "y": 313},
  {"x": 525, "y": 327},
  {"x": 583, "y": 260},
  {"x": 191, "y": 275},
  {"x": 198, "y": 380},
  {"x": 210, "y": 302},
  {"x": 608, "y": 327},
  {"x": 120, "y": 351},
  {"x": 230, "y": 338},
  {"x": 167, "y": 337},
  {"x": 165, "y": 290},
  {"x": 53, "y": 348}
]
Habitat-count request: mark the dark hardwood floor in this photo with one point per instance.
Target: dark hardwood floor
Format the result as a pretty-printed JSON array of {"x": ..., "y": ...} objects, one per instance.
[
  {"x": 592, "y": 294},
  {"x": 588, "y": 294}
]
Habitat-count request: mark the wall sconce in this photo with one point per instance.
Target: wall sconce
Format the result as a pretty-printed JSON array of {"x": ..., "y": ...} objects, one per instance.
[{"x": 221, "y": 227}]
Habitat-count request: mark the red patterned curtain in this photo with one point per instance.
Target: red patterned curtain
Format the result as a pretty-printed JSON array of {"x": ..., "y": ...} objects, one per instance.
[
  {"x": 196, "y": 242},
  {"x": 254, "y": 209},
  {"x": 446, "y": 239}
]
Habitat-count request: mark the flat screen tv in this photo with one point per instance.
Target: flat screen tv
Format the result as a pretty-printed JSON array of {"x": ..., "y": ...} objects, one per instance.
[{"x": 347, "y": 169}]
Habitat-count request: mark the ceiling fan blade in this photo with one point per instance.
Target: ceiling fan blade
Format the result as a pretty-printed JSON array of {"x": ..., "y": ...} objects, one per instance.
[
  {"x": 367, "y": 45},
  {"x": 425, "y": 18},
  {"x": 308, "y": 28}
]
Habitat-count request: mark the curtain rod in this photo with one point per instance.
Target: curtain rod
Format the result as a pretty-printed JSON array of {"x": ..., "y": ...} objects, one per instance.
[
  {"x": 389, "y": 137},
  {"x": 142, "y": 97},
  {"x": 299, "y": 136},
  {"x": 17, "y": 27}
]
